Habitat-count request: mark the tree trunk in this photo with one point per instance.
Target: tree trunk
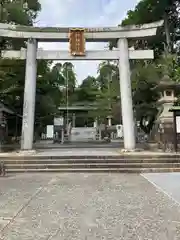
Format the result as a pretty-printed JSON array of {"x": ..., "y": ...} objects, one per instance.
[{"x": 167, "y": 33}]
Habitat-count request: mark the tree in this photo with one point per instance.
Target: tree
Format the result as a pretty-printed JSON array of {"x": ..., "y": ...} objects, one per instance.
[
  {"x": 102, "y": 92},
  {"x": 145, "y": 81},
  {"x": 147, "y": 11},
  {"x": 88, "y": 90},
  {"x": 12, "y": 72},
  {"x": 69, "y": 76},
  {"x": 168, "y": 67},
  {"x": 48, "y": 93},
  {"x": 17, "y": 12},
  {"x": 108, "y": 81},
  {"x": 145, "y": 78}
]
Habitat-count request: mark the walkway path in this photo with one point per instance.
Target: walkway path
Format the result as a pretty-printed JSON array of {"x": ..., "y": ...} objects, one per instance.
[
  {"x": 85, "y": 207},
  {"x": 68, "y": 152},
  {"x": 96, "y": 151}
]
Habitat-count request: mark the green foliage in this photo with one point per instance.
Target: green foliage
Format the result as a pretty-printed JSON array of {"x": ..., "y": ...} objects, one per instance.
[
  {"x": 88, "y": 90},
  {"x": 168, "y": 67},
  {"x": 69, "y": 76},
  {"x": 147, "y": 11},
  {"x": 16, "y": 12},
  {"x": 101, "y": 92},
  {"x": 145, "y": 78},
  {"x": 52, "y": 89}
]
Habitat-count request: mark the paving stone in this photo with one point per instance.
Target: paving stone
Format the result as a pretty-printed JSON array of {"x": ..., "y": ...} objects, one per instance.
[
  {"x": 16, "y": 190},
  {"x": 87, "y": 207}
]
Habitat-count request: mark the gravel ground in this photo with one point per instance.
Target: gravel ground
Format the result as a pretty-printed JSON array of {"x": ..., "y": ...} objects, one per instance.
[{"x": 85, "y": 207}]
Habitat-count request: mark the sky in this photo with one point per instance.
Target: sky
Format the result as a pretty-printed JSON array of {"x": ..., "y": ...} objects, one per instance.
[{"x": 82, "y": 13}]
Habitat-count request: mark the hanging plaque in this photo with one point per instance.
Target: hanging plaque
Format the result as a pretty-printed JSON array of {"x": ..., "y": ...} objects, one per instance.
[{"x": 77, "y": 42}]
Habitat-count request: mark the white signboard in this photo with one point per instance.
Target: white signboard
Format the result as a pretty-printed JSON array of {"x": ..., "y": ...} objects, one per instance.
[
  {"x": 119, "y": 129},
  {"x": 49, "y": 131},
  {"x": 59, "y": 121},
  {"x": 178, "y": 124}
]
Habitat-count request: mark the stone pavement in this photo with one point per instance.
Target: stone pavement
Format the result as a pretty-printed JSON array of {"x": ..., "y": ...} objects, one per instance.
[
  {"x": 85, "y": 152},
  {"x": 68, "y": 152},
  {"x": 85, "y": 207}
]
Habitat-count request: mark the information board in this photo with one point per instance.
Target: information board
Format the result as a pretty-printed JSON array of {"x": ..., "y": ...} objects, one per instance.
[{"x": 178, "y": 124}]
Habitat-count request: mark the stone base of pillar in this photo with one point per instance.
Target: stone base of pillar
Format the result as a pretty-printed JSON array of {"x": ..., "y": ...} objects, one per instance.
[
  {"x": 131, "y": 151},
  {"x": 27, "y": 152}
]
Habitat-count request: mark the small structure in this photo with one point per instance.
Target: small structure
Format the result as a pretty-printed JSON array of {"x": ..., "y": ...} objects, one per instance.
[
  {"x": 76, "y": 110},
  {"x": 8, "y": 119}
]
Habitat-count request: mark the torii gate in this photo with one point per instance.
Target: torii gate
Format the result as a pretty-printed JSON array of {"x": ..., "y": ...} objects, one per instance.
[{"x": 77, "y": 39}]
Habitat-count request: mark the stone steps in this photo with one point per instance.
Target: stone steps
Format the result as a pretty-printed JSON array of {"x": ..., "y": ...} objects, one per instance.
[
  {"x": 91, "y": 161},
  {"x": 130, "y": 163},
  {"x": 91, "y": 165},
  {"x": 94, "y": 170},
  {"x": 128, "y": 156}
]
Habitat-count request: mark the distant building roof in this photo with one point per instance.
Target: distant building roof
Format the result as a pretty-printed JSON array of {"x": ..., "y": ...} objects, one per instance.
[
  {"x": 77, "y": 108},
  {"x": 7, "y": 109},
  {"x": 81, "y": 107}
]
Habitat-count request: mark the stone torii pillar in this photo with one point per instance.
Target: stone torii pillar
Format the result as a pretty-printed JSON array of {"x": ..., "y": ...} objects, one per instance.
[
  {"x": 126, "y": 95},
  {"x": 29, "y": 96}
]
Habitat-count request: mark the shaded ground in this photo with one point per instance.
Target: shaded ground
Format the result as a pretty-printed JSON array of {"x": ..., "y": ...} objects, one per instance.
[
  {"x": 167, "y": 182},
  {"x": 85, "y": 207}
]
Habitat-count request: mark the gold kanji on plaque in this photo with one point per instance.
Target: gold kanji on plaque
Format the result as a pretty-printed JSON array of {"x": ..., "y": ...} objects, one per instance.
[{"x": 77, "y": 42}]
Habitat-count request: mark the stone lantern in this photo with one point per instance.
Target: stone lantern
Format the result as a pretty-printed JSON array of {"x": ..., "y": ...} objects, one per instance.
[{"x": 165, "y": 120}]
